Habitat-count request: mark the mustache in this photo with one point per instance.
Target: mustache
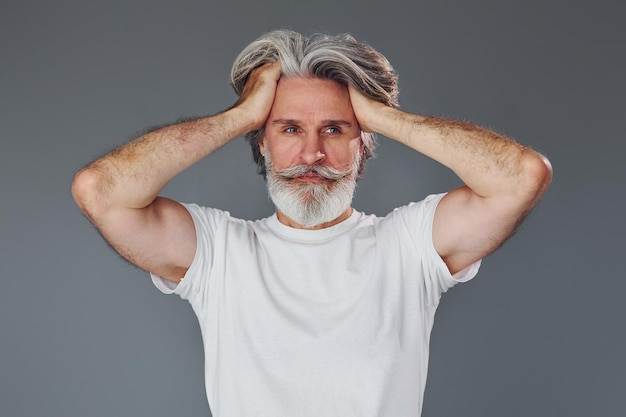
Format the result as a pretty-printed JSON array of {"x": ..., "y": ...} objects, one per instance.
[{"x": 323, "y": 171}]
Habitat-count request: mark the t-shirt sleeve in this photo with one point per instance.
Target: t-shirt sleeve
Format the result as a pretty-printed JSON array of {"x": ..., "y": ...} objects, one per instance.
[
  {"x": 418, "y": 219},
  {"x": 207, "y": 222}
]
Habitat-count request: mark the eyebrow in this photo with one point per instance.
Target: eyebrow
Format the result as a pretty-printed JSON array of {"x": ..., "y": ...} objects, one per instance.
[{"x": 324, "y": 122}]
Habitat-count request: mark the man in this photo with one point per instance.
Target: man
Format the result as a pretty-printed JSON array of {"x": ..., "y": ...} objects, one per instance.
[{"x": 319, "y": 309}]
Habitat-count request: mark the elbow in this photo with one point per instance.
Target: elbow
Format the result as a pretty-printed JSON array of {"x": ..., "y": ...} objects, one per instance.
[
  {"x": 85, "y": 190},
  {"x": 537, "y": 173}
]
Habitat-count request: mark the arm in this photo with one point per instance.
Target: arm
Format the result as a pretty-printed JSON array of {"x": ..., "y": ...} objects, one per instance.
[
  {"x": 503, "y": 179},
  {"x": 119, "y": 192}
]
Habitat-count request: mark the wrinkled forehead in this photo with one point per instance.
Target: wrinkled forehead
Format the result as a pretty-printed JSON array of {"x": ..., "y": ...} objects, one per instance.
[
  {"x": 298, "y": 97},
  {"x": 310, "y": 84}
]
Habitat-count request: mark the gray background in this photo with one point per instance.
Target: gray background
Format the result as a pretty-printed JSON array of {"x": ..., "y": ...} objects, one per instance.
[{"x": 540, "y": 332}]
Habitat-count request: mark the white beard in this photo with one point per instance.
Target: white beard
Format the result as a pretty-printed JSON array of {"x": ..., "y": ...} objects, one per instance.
[{"x": 311, "y": 203}]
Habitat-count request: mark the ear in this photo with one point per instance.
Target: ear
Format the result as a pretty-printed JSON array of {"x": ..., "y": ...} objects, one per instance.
[
  {"x": 361, "y": 143},
  {"x": 262, "y": 145}
]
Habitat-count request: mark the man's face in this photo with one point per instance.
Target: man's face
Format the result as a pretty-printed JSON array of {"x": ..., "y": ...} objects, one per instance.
[
  {"x": 312, "y": 146},
  {"x": 311, "y": 122}
]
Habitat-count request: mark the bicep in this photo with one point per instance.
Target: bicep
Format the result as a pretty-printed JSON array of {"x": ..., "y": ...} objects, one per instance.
[
  {"x": 159, "y": 238},
  {"x": 468, "y": 227}
]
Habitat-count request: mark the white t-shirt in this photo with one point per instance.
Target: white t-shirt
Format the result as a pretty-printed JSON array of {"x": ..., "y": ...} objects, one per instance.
[{"x": 330, "y": 322}]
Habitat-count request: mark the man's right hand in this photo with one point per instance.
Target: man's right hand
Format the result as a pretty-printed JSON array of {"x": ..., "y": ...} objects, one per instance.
[{"x": 258, "y": 94}]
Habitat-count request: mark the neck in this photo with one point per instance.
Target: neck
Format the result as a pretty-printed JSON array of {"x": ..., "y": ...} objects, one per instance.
[{"x": 287, "y": 221}]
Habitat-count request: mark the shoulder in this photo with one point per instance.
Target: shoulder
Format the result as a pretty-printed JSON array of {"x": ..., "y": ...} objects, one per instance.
[
  {"x": 409, "y": 224},
  {"x": 209, "y": 216},
  {"x": 213, "y": 222},
  {"x": 415, "y": 215}
]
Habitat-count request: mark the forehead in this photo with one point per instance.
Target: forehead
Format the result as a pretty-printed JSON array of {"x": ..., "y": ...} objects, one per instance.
[{"x": 300, "y": 98}]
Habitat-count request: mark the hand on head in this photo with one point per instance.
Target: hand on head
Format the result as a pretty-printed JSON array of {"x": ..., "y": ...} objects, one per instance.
[
  {"x": 257, "y": 96},
  {"x": 365, "y": 109}
]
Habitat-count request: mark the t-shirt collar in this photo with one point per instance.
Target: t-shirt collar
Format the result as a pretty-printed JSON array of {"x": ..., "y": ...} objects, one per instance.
[{"x": 312, "y": 236}]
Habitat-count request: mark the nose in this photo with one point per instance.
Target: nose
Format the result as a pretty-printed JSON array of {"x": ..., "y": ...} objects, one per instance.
[{"x": 312, "y": 149}]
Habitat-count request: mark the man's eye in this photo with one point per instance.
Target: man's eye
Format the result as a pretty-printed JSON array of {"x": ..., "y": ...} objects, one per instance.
[
  {"x": 333, "y": 130},
  {"x": 291, "y": 129}
]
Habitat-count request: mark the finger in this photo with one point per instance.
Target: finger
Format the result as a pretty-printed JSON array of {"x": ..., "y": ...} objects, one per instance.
[
  {"x": 271, "y": 70},
  {"x": 274, "y": 68}
]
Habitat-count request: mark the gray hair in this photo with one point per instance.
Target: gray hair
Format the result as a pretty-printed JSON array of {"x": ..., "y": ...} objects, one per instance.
[{"x": 340, "y": 58}]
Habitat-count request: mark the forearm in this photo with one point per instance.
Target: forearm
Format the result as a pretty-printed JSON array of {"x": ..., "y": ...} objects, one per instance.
[
  {"x": 132, "y": 175},
  {"x": 488, "y": 163}
]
